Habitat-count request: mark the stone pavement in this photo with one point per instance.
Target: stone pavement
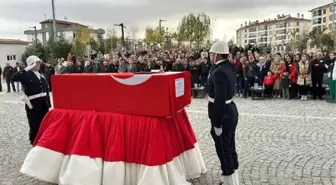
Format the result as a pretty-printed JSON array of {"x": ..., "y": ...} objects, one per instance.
[{"x": 279, "y": 142}]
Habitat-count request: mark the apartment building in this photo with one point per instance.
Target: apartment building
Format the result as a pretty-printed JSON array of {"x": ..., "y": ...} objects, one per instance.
[
  {"x": 272, "y": 33},
  {"x": 322, "y": 17},
  {"x": 69, "y": 29}
]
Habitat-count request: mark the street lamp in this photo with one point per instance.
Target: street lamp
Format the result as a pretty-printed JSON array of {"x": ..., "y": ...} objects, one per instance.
[
  {"x": 35, "y": 33},
  {"x": 160, "y": 23},
  {"x": 122, "y": 33}
]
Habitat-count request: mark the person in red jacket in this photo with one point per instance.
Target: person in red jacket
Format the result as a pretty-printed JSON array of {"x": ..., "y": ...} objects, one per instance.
[
  {"x": 268, "y": 84},
  {"x": 294, "y": 77}
]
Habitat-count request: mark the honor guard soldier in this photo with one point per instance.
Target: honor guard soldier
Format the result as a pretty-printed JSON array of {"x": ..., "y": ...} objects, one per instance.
[
  {"x": 36, "y": 96},
  {"x": 223, "y": 112}
]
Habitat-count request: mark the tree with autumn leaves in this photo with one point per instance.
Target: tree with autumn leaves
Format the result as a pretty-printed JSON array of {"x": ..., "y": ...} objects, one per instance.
[{"x": 194, "y": 29}]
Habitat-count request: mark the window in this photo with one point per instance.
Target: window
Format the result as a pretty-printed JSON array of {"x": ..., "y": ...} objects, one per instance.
[
  {"x": 298, "y": 24},
  {"x": 324, "y": 11},
  {"x": 245, "y": 41},
  {"x": 324, "y": 19},
  {"x": 252, "y": 35},
  {"x": 253, "y": 29},
  {"x": 281, "y": 25},
  {"x": 317, "y": 21},
  {"x": 281, "y": 32},
  {"x": 11, "y": 57},
  {"x": 261, "y": 28}
]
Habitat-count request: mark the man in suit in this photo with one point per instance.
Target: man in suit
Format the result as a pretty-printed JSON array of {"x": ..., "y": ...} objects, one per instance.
[
  {"x": 131, "y": 67},
  {"x": 36, "y": 96},
  {"x": 7, "y": 74}
]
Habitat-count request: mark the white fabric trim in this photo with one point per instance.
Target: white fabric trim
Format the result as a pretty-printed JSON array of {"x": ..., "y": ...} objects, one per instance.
[
  {"x": 218, "y": 62},
  {"x": 51, "y": 166},
  {"x": 134, "y": 80},
  {"x": 211, "y": 100},
  {"x": 40, "y": 95}
]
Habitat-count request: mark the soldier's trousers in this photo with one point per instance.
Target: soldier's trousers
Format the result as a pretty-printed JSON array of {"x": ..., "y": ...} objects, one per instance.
[
  {"x": 35, "y": 117},
  {"x": 332, "y": 88},
  {"x": 225, "y": 144}
]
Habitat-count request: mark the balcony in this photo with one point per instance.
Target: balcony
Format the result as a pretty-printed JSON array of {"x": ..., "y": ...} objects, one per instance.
[
  {"x": 317, "y": 13},
  {"x": 262, "y": 40},
  {"x": 252, "y": 35},
  {"x": 317, "y": 21},
  {"x": 252, "y": 29}
]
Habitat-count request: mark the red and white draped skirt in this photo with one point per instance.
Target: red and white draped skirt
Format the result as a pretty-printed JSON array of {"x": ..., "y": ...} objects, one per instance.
[{"x": 93, "y": 148}]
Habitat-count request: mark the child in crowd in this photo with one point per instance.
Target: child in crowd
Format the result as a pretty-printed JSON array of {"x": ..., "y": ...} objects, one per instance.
[{"x": 269, "y": 83}]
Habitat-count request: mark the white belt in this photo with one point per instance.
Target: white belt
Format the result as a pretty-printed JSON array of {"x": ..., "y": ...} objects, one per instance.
[
  {"x": 40, "y": 95},
  {"x": 211, "y": 100}
]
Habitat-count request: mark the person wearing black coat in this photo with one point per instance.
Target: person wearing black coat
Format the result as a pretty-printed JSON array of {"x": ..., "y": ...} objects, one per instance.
[
  {"x": 195, "y": 73},
  {"x": 318, "y": 67},
  {"x": 48, "y": 73},
  {"x": 113, "y": 67},
  {"x": 7, "y": 74},
  {"x": 79, "y": 68},
  {"x": 262, "y": 69},
  {"x": 37, "y": 100}
]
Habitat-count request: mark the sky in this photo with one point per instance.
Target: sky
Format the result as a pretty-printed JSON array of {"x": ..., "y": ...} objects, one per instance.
[{"x": 19, "y": 15}]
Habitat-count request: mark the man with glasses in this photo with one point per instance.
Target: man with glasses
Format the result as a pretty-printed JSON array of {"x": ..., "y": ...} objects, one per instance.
[{"x": 223, "y": 112}]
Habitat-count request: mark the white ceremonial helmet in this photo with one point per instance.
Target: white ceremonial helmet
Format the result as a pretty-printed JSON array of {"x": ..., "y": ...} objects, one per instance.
[
  {"x": 220, "y": 47},
  {"x": 31, "y": 62}
]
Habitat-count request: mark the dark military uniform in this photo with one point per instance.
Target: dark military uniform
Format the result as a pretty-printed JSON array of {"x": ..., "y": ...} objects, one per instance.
[
  {"x": 36, "y": 91},
  {"x": 223, "y": 113}
]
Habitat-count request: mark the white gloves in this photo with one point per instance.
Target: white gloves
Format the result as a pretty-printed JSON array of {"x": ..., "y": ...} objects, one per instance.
[{"x": 218, "y": 131}]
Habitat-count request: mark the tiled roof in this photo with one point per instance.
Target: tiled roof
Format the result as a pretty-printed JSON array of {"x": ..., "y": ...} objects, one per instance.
[
  {"x": 13, "y": 41},
  {"x": 273, "y": 21},
  {"x": 62, "y": 22}
]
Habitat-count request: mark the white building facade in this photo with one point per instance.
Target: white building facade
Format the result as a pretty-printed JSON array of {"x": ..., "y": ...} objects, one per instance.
[
  {"x": 11, "y": 51},
  {"x": 272, "y": 33},
  {"x": 67, "y": 28},
  {"x": 322, "y": 17}
]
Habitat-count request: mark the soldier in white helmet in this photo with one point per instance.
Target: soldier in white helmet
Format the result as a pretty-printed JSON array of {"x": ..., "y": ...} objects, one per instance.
[
  {"x": 36, "y": 96},
  {"x": 223, "y": 112}
]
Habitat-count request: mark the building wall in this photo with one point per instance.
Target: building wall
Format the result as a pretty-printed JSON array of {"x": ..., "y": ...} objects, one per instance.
[
  {"x": 31, "y": 37},
  {"x": 11, "y": 50},
  {"x": 69, "y": 35},
  {"x": 275, "y": 35}
]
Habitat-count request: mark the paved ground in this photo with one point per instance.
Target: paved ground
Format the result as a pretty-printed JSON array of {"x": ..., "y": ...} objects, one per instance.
[{"x": 279, "y": 142}]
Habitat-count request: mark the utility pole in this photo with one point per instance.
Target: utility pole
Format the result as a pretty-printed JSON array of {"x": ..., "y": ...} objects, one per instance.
[
  {"x": 35, "y": 34},
  {"x": 54, "y": 18},
  {"x": 334, "y": 24},
  {"x": 122, "y": 33},
  {"x": 160, "y": 27},
  {"x": 35, "y": 31}
]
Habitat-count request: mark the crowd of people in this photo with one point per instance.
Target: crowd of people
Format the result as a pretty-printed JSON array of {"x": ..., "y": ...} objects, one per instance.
[{"x": 291, "y": 76}]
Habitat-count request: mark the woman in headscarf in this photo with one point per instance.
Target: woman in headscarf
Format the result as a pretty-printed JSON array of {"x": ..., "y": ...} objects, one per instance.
[
  {"x": 276, "y": 69},
  {"x": 304, "y": 76}
]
